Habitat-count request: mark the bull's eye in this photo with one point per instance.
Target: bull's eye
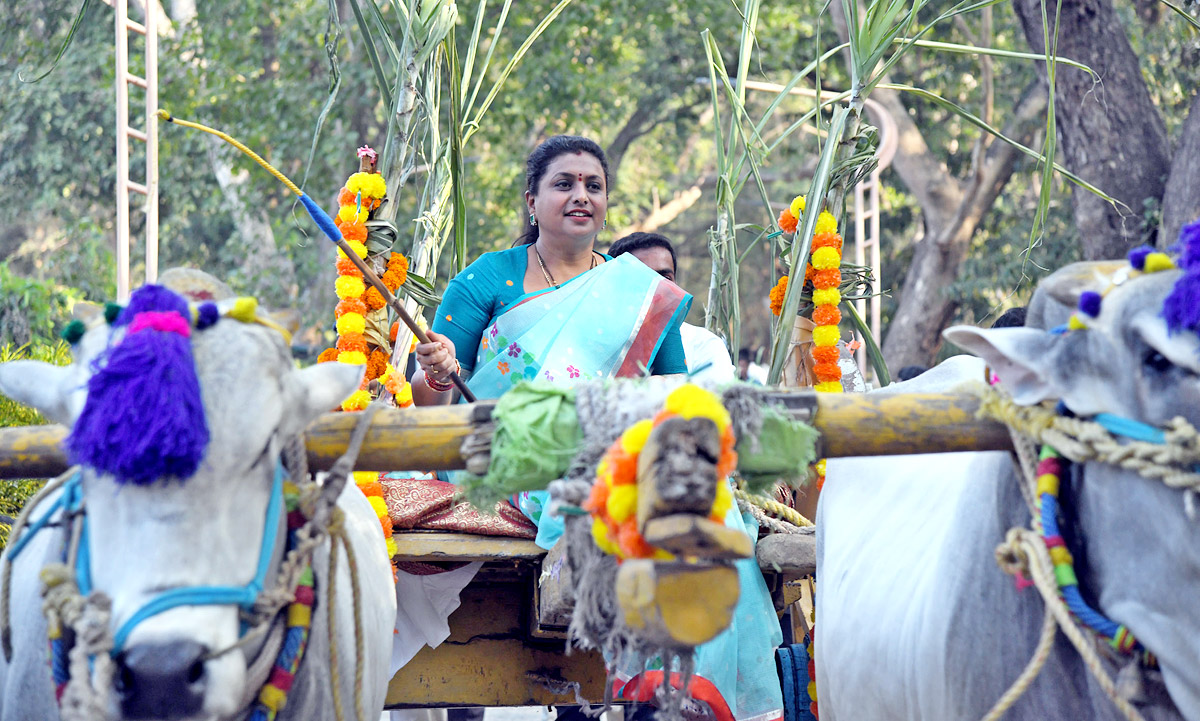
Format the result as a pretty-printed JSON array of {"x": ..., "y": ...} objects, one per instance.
[{"x": 1156, "y": 361}]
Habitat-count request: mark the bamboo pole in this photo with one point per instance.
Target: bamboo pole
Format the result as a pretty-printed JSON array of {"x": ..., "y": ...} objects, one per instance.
[{"x": 429, "y": 438}]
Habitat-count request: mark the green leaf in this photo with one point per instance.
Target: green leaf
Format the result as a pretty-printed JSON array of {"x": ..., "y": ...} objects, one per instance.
[{"x": 65, "y": 44}]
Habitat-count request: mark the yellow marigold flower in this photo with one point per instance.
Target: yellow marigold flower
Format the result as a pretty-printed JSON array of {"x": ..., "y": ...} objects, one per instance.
[
  {"x": 361, "y": 477},
  {"x": 826, "y": 258},
  {"x": 622, "y": 502},
  {"x": 404, "y": 398},
  {"x": 392, "y": 550},
  {"x": 820, "y": 466},
  {"x": 826, "y": 223},
  {"x": 353, "y": 357},
  {"x": 634, "y": 437},
  {"x": 826, "y": 296},
  {"x": 375, "y": 186},
  {"x": 352, "y": 214},
  {"x": 348, "y": 286},
  {"x": 829, "y": 387},
  {"x": 1156, "y": 262},
  {"x": 724, "y": 500},
  {"x": 600, "y": 536},
  {"x": 797, "y": 206},
  {"x": 359, "y": 249},
  {"x": 378, "y": 505},
  {"x": 826, "y": 335},
  {"x": 351, "y": 323},
  {"x": 357, "y": 401},
  {"x": 690, "y": 400}
]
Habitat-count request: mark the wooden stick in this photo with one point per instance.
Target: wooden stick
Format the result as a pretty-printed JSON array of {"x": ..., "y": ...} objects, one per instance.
[
  {"x": 397, "y": 306},
  {"x": 431, "y": 437}
]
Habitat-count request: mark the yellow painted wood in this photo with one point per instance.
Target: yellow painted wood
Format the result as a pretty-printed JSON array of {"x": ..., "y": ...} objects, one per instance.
[
  {"x": 32, "y": 452},
  {"x": 686, "y": 534},
  {"x": 676, "y": 604},
  {"x": 489, "y": 661},
  {"x": 429, "y": 438},
  {"x": 439, "y": 546},
  {"x": 855, "y": 424}
]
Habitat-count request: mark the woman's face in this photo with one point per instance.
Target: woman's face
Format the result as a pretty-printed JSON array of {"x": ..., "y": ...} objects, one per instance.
[{"x": 571, "y": 198}]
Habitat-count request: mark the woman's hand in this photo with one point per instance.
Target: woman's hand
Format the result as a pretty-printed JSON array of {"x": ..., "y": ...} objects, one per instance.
[{"x": 437, "y": 356}]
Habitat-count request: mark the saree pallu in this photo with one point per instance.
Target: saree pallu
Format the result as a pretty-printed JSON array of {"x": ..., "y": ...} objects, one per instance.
[{"x": 610, "y": 321}]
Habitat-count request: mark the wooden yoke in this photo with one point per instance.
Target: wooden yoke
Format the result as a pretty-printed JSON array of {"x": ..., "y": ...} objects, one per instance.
[{"x": 682, "y": 603}]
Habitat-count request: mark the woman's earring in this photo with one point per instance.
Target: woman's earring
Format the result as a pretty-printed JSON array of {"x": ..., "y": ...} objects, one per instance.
[
  {"x": 604, "y": 224},
  {"x": 532, "y": 219}
]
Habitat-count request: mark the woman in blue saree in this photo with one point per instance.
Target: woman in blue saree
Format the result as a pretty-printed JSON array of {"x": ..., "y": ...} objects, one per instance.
[{"x": 555, "y": 309}]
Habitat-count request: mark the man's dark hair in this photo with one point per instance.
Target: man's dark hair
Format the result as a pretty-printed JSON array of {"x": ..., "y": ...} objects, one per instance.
[
  {"x": 641, "y": 241},
  {"x": 907, "y": 373},
  {"x": 1011, "y": 318},
  {"x": 744, "y": 354}
]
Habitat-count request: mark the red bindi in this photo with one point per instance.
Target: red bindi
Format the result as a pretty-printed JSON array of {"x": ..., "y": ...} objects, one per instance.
[{"x": 581, "y": 177}]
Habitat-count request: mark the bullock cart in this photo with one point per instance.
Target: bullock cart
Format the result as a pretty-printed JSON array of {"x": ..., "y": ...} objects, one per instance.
[{"x": 506, "y": 639}]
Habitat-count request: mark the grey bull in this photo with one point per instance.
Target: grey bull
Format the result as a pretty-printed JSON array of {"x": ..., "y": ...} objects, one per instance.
[
  {"x": 915, "y": 620},
  {"x": 158, "y": 535}
]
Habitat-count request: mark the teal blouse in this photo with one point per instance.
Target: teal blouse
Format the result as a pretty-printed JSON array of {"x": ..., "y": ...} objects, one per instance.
[{"x": 483, "y": 291}]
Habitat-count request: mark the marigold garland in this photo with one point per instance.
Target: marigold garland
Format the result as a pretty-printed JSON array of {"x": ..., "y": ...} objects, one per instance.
[
  {"x": 354, "y": 342},
  {"x": 824, "y": 271},
  {"x": 368, "y": 483},
  {"x": 613, "y": 500},
  {"x": 327, "y": 355}
]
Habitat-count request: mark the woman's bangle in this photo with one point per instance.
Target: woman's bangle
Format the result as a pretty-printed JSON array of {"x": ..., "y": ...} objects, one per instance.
[{"x": 440, "y": 387}]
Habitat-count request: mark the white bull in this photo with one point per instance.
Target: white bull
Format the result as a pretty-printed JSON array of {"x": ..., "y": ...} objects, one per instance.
[
  {"x": 153, "y": 537},
  {"x": 915, "y": 620}
]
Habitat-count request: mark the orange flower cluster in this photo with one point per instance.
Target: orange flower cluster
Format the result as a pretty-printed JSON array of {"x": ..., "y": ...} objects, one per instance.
[
  {"x": 777, "y": 295},
  {"x": 368, "y": 483}
]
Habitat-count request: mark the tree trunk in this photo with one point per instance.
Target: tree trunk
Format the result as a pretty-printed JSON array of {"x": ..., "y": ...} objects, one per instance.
[
  {"x": 1181, "y": 202},
  {"x": 951, "y": 219},
  {"x": 1112, "y": 135}
]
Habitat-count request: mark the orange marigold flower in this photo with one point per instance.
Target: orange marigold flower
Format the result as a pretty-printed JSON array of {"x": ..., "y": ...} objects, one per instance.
[
  {"x": 826, "y": 315},
  {"x": 824, "y": 279},
  {"x": 373, "y": 488},
  {"x": 353, "y": 231},
  {"x": 827, "y": 240},
  {"x": 346, "y": 197},
  {"x": 352, "y": 342},
  {"x": 374, "y": 299},
  {"x": 397, "y": 262},
  {"x": 392, "y": 333},
  {"x": 376, "y": 364},
  {"x": 787, "y": 221},
  {"x": 386, "y": 521},
  {"x": 350, "y": 305},
  {"x": 809, "y": 270},
  {"x": 827, "y": 372},
  {"x": 392, "y": 280},
  {"x": 777, "y": 295},
  {"x": 825, "y": 354},
  {"x": 345, "y": 266},
  {"x": 329, "y": 354}
]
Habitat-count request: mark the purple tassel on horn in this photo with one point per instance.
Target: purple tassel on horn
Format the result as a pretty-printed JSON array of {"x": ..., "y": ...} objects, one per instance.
[{"x": 144, "y": 418}]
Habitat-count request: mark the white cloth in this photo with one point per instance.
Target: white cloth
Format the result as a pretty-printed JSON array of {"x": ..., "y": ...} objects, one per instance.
[
  {"x": 424, "y": 605},
  {"x": 707, "y": 357}
]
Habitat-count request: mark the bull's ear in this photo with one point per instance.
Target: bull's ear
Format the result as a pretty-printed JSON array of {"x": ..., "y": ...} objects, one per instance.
[
  {"x": 316, "y": 390},
  {"x": 1019, "y": 356},
  {"x": 44, "y": 386}
]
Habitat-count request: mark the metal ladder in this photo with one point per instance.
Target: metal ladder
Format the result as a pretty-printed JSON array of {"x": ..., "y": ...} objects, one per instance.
[{"x": 149, "y": 136}]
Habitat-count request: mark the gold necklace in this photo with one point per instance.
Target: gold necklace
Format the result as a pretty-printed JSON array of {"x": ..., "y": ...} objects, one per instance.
[{"x": 546, "y": 273}]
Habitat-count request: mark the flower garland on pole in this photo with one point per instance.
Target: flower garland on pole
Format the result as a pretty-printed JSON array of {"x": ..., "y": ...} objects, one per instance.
[
  {"x": 361, "y": 320},
  {"x": 823, "y": 271}
]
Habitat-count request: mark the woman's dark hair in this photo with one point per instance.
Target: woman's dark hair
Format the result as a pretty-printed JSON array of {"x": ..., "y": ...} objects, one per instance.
[{"x": 543, "y": 155}]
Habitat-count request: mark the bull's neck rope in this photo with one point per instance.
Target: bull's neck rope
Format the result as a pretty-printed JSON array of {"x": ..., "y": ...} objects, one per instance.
[{"x": 1169, "y": 455}]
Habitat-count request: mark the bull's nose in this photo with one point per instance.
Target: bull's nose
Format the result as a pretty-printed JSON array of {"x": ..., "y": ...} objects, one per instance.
[{"x": 161, "y": 680}]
